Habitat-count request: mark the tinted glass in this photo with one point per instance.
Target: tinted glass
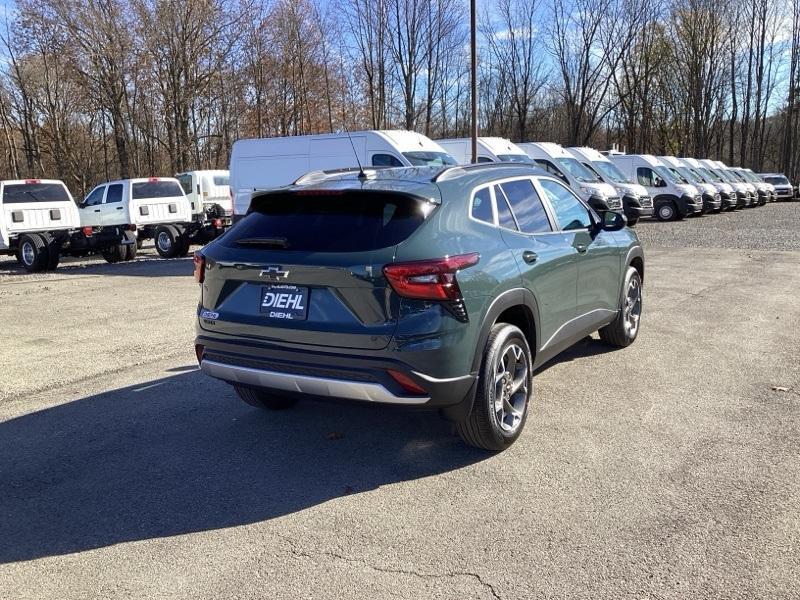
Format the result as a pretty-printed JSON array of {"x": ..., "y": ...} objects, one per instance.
[
  {"x": 484, "y": 159},
  {"x": 776, "y": 180},
  {"x": 222, "y": 180},
  {"x": 578, "y": 171},
  {"x": 114, "y": 193},
  {"x": 515, "y": 158},
  {"x": 482, "y": 206},
  {"x": 429, "y": 159},
  {"x": 504, "y": 215},
  {"x": 648, "y": 177},
  {"x": 34, "y": 192},
  {"x": 156, "y": 189},
  {"x": 526, "y": 206},
  {"x": 385, "y": 160},
  {"x": 314, "y": 223},
  {"x": 96, "y": 197},
  {"x": 186, "y": 183},
  {"x": 571, "y": 214},
  {"x": 610, "y": 172}
]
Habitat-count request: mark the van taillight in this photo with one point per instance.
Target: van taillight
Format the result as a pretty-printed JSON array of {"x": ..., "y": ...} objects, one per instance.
[
  {"x": 429, "y": 279},
  {"x": 199, "y": 267}
]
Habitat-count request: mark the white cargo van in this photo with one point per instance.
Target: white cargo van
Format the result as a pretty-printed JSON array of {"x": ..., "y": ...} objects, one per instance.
[
  {"x": 752, "y": 192},
  {"x": 672, "y": 198},
  {"x": 556, "y": 160},
  {"x": 636, "y": 200},
  {"x": 743, "y": 197},
  {"x": 712, "y": 200},
  {"x": 154, "y": 207},
  {"x": 39, "y": 222},
  {"x": 727, "y": 194},
  {"x": 490, "y": 149},
  {"x": 266, "y": 163}
]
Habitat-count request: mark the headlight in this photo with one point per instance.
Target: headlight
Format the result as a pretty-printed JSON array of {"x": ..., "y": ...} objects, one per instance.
[
  {"x": 588, "y": 191},
  {"x": 622, "y": 191}
]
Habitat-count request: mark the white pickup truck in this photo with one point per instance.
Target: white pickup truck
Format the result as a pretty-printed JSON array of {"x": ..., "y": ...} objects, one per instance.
[
  {"x": 209, "y": 195},
  {"x": 39, "y": 222}
]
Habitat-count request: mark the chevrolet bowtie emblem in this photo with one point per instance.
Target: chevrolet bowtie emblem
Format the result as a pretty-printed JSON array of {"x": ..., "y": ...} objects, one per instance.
[{"x": 274, "y": 272}]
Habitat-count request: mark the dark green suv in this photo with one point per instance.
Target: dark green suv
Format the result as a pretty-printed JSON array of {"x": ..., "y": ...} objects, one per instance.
[{"x": 418, "y": 287}]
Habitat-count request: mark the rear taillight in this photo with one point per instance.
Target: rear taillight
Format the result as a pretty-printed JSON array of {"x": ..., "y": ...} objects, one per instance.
[
  {"x": 217, "y": 223},
  {"x": 233, "y": 202},
  {"x": 87, "y": 231},
  {"x": 199, "y": 267},
  {"x": 429, "y": 279}
]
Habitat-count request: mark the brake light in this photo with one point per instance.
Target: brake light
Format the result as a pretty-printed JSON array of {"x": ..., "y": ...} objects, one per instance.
[
  {"x": 87, "y": 231},
  {"x": 217, "y": 223},
  {"x": 429, "y": 279},
  {"x": 33, "y": 181},
  {"x": 406, "y": 382},
  {"x": 153, "y": 179},
  {"x": 199, "y": 267}
]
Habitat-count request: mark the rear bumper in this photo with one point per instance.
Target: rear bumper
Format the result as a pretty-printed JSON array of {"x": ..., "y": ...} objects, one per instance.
[{"x": 326, "y": 375}]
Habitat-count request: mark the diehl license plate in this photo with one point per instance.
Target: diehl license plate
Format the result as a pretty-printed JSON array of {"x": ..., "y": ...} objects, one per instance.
[{"x": 288, "y": 302}]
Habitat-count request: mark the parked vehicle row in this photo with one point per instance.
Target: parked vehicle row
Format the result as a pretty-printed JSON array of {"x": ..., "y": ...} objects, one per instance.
[{"x": 40, "y": 221}]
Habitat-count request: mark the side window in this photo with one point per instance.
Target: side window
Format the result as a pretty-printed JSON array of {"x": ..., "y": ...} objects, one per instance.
[
  {"x": 504, "y": 215},
  {"x": 550, "y": 168},
  {"x": 186, "y": 183},
  {"x": 114, "y": 193},
  {"x": 482, "y": 206},
  {"x": 526, "y": 206},
  {"x": 96, "y": 197},
  {"x": 648, "y": 177},
  {"x": 385, "y": 160},
  {"x": 570, "y": 213},
  {"x": 484, "y": 159}
]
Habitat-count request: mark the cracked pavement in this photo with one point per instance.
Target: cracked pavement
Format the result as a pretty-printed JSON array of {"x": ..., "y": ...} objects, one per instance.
[{"x": 667, "y": 470}]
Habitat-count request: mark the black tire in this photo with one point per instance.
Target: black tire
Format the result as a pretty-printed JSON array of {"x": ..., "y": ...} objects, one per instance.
[
  {"x": 166, "y": 241},
  {"x": 53, "y": 251},
  {"x": 632, "y": 221},
  {"x": 620, "y": 332},
  {"x": 482, "y": 428},
  {"x": 114, "y": 254},
  {"x": 666, "y": 211},
  {"x": 139, "y": 243},
  {"x": 33, "y": 252},
  {"x": 183, "y": 242},
  {"x": 128, "y": 251},
  {"x": 263, "y": 399}
]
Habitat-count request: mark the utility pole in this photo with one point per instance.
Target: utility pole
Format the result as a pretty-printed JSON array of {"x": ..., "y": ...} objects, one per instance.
[{"x": 474, "y": 75}]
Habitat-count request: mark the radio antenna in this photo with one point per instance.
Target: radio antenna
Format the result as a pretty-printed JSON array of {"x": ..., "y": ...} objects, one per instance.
[{"x": 361, "y": 174}]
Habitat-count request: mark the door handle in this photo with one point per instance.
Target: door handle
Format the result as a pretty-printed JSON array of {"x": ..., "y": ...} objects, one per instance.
[
  {"x": 530, "y": 257},
  {"x": 581, "y": 248},
  {"x": 96, "y": 210},
  {"x": 120, "y": 208}
]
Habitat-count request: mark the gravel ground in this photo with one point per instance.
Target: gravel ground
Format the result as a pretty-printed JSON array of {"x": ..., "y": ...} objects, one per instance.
[{"x": 774, "y": 226}]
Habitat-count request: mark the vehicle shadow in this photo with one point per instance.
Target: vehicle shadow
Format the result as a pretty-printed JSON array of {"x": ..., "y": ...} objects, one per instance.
[
  {"x": 585, "y": 348},
  {"x": 143, "y": 266},
  {"x": 183, "y": 454}
]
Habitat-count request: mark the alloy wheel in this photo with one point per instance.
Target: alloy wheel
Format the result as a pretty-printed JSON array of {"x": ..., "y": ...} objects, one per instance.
[{"x": 511, "y": 387}]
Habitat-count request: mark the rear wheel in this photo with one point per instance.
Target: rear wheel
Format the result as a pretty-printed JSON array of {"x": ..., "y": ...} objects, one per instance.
[
  {"x": 33, "y": 252},
  {"x": 183, "y": 243},
  {"x": 128, "y": 251},
  {"x": 114, "y": 254},
  {"x": 622, "y": 331},
  {"x": 263, "y": 399},
  {"x": 166, "y": 240},
  {"x": 504, "y": 389}
]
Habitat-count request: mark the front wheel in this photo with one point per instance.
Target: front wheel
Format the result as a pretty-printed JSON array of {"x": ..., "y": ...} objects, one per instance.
[
  {"x": 504, "y": 389},
  {"x": 666, "y": 211},
  {"x": 622, "y": 331},
  {"x": 263, "y": 399}
]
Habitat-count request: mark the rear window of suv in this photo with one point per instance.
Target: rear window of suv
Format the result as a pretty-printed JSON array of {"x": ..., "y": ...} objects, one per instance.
[
  {"x": 34, "y": 192},
  {"x": 352, "y": 221},
  {"x": 156, "y": 189}
]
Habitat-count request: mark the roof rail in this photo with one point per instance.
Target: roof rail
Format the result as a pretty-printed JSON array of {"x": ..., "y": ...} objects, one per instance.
[
  {"x": 455, "y": 170},
  {"x": 317, "y": 176}
]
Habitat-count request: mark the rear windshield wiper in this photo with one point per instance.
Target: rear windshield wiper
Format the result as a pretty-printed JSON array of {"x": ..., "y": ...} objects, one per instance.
[{"x": 266, "y": 242}]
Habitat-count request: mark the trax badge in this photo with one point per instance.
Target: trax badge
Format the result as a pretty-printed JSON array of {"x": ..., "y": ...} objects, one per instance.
[{"x": 274, "y": 272}]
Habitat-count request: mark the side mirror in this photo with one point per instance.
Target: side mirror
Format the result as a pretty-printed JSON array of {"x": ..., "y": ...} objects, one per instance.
[{"x": 613, "y": 221}]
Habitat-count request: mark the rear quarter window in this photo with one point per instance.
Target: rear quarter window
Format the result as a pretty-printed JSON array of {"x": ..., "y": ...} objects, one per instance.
[
  {"x": 19, "y": 193},
  {"x": 351, "y": 221},
  {"x": 155, "y": 189}
]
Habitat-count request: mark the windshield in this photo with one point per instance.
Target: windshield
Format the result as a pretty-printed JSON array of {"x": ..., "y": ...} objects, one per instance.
[
  {"x": 699, "y": 175},
  {"x": 610, "y": 172},
  {"x": 777, "y": 180},
  {"x": 738, "y": 176},
  {"x": 674, "y": 172},
  {"x": 751, "y": 177},
  {"x": 689, "y": 176},
  {"x": 516, "y": 158},
  {"x": 577, "y": 170},
  {"x": 711, "y": 175},
  {"x": 429, "y": 159}
]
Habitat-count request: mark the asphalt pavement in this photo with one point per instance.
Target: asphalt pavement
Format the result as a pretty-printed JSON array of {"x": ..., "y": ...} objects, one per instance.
[{"x": 667, "y": 470}]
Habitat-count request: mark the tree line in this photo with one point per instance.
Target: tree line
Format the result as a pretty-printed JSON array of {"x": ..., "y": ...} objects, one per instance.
[{"x": 92, "y": 90}]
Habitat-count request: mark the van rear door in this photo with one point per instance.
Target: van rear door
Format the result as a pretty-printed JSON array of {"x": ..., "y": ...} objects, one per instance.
[{"x": 307, "y": 268}]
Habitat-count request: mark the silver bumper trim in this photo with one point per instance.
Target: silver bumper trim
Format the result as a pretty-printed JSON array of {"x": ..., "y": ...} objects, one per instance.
[{"x": 304, "y": 384}]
